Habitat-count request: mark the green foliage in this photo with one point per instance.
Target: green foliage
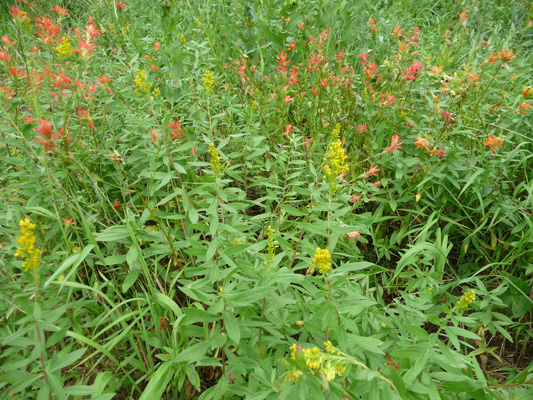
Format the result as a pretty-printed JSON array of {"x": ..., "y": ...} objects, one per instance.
[{"x": 264, "y": 200}]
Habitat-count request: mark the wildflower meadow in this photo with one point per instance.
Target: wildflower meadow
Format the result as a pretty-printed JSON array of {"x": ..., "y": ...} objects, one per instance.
[{"x": 266, "y": 199}]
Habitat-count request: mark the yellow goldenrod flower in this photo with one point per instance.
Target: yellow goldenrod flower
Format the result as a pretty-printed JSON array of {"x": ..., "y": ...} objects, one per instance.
[
  {"x": 330, "y": 363},
  {"x": 64, "y": 48},
  {"x": 26, "y": 250},
  {"x": 336, "y": 132},
  {"x": 293, "y": 376},
  {"x": 143, "y": 87},
  {"x": 215, "y": 160},
  {"x": 334, "y": 163},
  {"x": 466, "y": 299},
  {"x": 183, "y": 40},
  {"x": 209, "y": 81},
  {"x": 322, "y": 260}
]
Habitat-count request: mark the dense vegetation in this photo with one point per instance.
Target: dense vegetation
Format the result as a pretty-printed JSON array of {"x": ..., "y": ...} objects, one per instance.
[{"x": 266, "y": 199}]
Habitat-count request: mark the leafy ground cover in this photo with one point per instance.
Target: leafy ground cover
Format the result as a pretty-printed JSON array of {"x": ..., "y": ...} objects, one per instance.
[{"x": 266, "y": 199}]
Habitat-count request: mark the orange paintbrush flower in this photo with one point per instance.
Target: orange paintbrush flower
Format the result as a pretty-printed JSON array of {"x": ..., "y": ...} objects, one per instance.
[
  {"x": 421, "y": 142},
  {"x": 435, "y": 71},
  {"x": 506, "y": 56},
  {"x": 493, "y": 142},
  {"x": 394, "y": 144},
  {"x": 523, "y": 107},
  {"x": 372, "y": 171}
]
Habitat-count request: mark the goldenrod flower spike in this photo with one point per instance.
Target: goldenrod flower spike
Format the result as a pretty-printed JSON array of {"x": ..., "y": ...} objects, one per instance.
[
  {"x": 215, "y": 160},
  {"x": 209, "y": 81},
  {"x": 64, "y": 48},
  {"x": 334, "y": 163},
  {"x": 466, "y": 299},
  {"x": 322, "y": 260},
  {"x": 26, "y": 250},
  {"x": 143, "y": 87}
]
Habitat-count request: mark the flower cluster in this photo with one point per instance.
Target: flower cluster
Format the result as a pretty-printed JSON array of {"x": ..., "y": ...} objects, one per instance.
[
  {"x": 424, "y": 143},
  {"x": 335, "y": 132},
  {"x": 493, "y": 142},
  {"x": 504, "y": 56},
  {"x": 466, "y": 299},
  {"x": 215, "y": 160},
  {"x": 372, "y": 26},
  {"x": 329, "y": 363},
  {"x": 26, "y": 242},
  {"x": 176, "y": 131},
  {"x": 395, "y": 144},
  {"x": 334, "y": 163},
  {"x": 322, "y": 260},
  {"x": 48, "y": 138},
  {"x": 47, "y": 30},
  {"x": 64, "y": 49},
  {"x": 209, "y": 81},
  {"x": 351, "y": 235},
  {"x": 140, "y": 82}
]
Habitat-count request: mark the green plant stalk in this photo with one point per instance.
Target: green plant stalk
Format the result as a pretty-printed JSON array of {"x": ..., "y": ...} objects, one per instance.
[{"x": 167, "y": 236}]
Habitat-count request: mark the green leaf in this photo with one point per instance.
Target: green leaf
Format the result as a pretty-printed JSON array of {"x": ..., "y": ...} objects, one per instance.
[
  {"x": 67, "y": 360},
  {"x": 248, "y": 297},
  {"x": 168, "y": 302},
  {"x": 417, "y": 331},
  {"x": 157, "y": 384},
  {"x": 414, "y": 371},
  {"x": 232, "y": 326},
  {"x": 194, "y": 315},
  {"x": 130, "y": 280},
  {"x": 367, "y": 343},
  {"x": 193, "y": 353},
  {"x": 293, "y": 210},
  {"x": 398, "y": 382},
  {"x": 236, "y": 249},
  {"x": 193, "y": 215},
  {"x": 75, "y": 260},
  {"x": 176, "y": 70}
]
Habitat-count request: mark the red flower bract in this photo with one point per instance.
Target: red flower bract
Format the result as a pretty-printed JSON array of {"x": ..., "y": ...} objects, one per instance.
[
  {"x": 283, "y": 62},
  {"x": 85, "y": 48},
  {"x": 413, "y": 71},
  {"x": 62, "y": 11},
  {"x": 395, "y": 144},
  {"x": 49, "y": 138},
  {"x": 48, "y": 31}
]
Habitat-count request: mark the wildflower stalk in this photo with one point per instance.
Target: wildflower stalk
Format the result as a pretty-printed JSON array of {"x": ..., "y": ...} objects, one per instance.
[
  {"x": 41, "y": 355},
  {"x": 153, "y": 175},
  {"x": 183, "y": 188},
  {"x": 49, "y": 176},
  {"x": 476, "y": 105},
  {"x": 21, "y": 47},
  {"x": 260, "y": 327},
  {"x": 408, "y": 92},
  {"x": 284, "y": 183},
  {"x": 154, "y": 218},
  {"x": 30, "y": 255},
  {"x": 328, "y": 281}
]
